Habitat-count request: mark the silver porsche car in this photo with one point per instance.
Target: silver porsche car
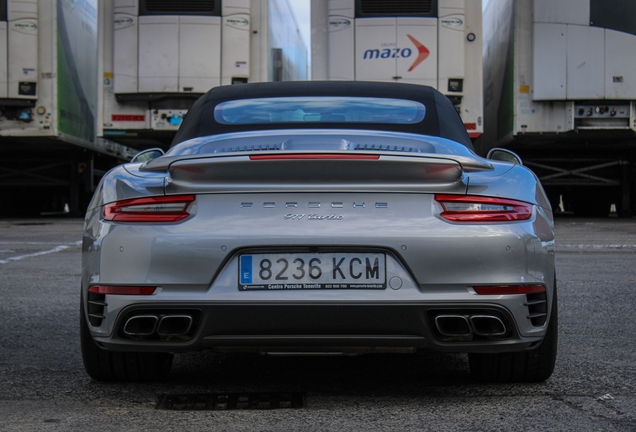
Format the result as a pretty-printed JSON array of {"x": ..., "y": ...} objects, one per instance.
[{"x": 320, "y": 217}]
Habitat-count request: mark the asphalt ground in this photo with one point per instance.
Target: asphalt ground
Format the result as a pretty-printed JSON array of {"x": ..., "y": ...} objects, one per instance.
[{"x": 43, "y": 385}]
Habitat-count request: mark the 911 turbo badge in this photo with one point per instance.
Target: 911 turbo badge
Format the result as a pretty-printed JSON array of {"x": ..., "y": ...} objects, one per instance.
[{"x": 313, "y": 217}]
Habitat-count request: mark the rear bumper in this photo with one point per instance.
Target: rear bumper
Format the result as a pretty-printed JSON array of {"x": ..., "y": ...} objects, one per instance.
[
  {"x": 303, "y": 327},
  {"x": 195, "y": 266}
]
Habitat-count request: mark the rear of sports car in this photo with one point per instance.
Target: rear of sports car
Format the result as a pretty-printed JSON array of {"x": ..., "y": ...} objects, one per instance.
[{"x": 320, "y": 247}]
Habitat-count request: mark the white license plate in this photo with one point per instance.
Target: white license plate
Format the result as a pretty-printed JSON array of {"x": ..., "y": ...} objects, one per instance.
[{"x": 294, "y": 271}]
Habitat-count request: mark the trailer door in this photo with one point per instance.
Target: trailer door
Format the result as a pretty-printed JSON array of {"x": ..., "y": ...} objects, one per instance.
[
  {"x": 417, "y": 61},
  {"x": 376, "y": 49},
  {"x": 22, "y": 50},
  {"x": 3, "y": 49},
  {"x": 396, "y": 49}
]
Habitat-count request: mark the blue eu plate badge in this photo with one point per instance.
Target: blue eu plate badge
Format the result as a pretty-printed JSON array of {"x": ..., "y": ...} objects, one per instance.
[{"x": 246, "y": 269}]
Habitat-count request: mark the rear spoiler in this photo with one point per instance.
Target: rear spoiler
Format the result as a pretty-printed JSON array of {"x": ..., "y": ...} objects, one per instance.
[
  {"x": 315, "y": 172},
  {"x": 468, "y": 164}
]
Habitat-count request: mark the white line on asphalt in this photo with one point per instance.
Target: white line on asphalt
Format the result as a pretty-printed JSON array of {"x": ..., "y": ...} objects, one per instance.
[
  {"x": 27, "y": 243},
  {"x": 596, "y": 246},
  {"x": 55, "y": 249}
]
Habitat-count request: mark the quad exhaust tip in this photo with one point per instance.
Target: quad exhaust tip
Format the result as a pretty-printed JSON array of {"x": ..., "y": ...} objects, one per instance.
[
  {"x": 465, "y": 326},
  {"x": 165, "y": 326},
  {"x": 174, "y": 325},
  {"x": 487, "y": 325},
  {"x": 141, "y": 325},
  {"x": 453, "y": 325}
]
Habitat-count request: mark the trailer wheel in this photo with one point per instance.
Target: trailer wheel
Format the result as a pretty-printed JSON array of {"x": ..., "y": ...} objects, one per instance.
[
  {"x": 103, "y": 365},
  {"x": 531, "y": 366}
]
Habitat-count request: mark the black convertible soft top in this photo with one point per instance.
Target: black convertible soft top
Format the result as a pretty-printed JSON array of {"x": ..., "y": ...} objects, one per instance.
[{"x": 441, "y": 118}]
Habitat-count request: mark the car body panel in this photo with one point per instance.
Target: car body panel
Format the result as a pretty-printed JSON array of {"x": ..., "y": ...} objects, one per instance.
[
  {"x": 196, "y": 261},
  {"x": 318, "y": 191}
]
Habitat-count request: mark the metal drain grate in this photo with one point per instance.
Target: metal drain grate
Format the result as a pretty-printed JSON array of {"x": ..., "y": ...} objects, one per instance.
[{"x": 231, "y": 401}]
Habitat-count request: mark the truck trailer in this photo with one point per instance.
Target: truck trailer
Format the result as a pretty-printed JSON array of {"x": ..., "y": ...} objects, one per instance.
[
  {"x": 431, "y": 42},
  {"x": 560, "y": 90},
  {"x": 157, "y": 57},
  {"x": 49, "y": 151}
]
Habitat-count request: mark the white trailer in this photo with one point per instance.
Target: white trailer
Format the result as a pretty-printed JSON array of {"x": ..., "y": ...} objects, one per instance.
[
  {"x": 158, "y": 56},
  {"x": 48, "y": 104},
  {"x": 560, "y": 88},
  {"x": 431, "y": 42}
]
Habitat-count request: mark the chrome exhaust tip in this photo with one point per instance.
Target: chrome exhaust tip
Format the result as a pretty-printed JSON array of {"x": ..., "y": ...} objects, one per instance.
[
  {"x": 141, "y": 325},
  {"x": 174, "y": 325},
  {"x": 488, "y": 325},
  {"x": 453, "y": 325}
]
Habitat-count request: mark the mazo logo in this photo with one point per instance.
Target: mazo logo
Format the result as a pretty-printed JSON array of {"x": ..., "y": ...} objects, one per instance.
[{"x": 394, "y": 52}]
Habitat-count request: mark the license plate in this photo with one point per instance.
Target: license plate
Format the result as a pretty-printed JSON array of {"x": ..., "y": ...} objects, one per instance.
[{"x": 297, "y": 271}]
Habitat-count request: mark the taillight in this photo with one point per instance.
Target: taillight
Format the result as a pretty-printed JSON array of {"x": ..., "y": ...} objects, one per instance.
[
  {"x": 471, "y": 208},
  {"x": 509, "y": 289},
  {"x": 121, "y": 290},
  {"x": 154, "y": 209}
]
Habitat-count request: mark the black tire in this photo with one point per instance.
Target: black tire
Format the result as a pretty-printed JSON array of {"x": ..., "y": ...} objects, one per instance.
[
  {"x": 531, "y": 366},
  {"x": 103, "y": 365}
]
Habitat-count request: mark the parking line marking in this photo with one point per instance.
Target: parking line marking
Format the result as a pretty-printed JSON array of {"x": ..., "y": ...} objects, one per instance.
[
  {"x": 46, "y": 252},
  {"x": 597, "y": 246},
  {"x": 27, "y": 243}
]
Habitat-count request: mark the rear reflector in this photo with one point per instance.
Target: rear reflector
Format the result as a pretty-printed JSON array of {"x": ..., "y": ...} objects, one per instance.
[
  {"x": 314, "y": 156},
  {"x": 471, "y": 208},
  {"x": 154, "y": 209},
  {"x": 122, "y": 290},
  {"x": 509, "y": 289}
]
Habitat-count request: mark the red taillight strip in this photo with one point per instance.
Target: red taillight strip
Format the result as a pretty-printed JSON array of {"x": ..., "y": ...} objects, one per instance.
[
  {"x": 519, "y": 211},
  {"x": 509, "y": 289},
  {"x": 314, "y": 156},
  {"x": 122, "y": 290},
  {"x": 149, "y": 209}
]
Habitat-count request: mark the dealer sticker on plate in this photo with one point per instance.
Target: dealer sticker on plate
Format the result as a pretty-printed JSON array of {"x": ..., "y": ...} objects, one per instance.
[{"x": 297, "y": 271}]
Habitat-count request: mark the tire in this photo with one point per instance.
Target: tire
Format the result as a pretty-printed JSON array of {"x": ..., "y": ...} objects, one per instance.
[
  {"x": 531, "y": 366},
  {"x": 103, "y": 365}
]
